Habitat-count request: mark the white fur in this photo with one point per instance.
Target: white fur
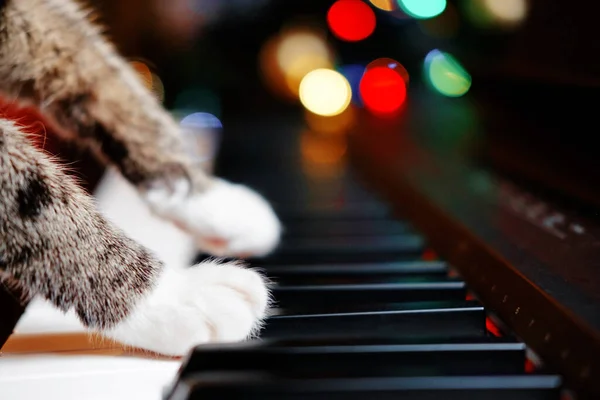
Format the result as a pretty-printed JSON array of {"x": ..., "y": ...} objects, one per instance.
[
  {"x": 210, "y": 302},
  {"x": 234, "y": 214}
]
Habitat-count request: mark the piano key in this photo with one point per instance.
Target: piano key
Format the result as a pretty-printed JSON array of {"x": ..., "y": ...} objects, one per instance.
[
  {"x": 309, "y": 360},
  {"x": 358, "y": 273},
  {"x": 371, "y": 211},
  {"x": 319, "y": 228},
  {"x": 408, "y": 320},
  {"x": 322, "y": 297},
  {"x": 263, "y": 385},
  {"x": 347, "y": 249}
]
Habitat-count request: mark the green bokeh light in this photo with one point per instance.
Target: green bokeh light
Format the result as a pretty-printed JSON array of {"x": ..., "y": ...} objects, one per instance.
[
  {"x": 422, "y": 9},
  {"x": 446, "y": 75}
]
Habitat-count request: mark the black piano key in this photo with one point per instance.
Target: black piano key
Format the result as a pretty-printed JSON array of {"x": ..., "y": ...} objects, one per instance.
[
  {"x": 424, "y": 320},
  {"x": 347, "y": 249},
  {"x": 413, "y": 271},
  {"x": 431, "y": 359},
  {"x": 322, "y": 297},
  {"x": 368, "y": 211},
  {"x": 262, "y": 385},
  {"x": 319, "y": 228}
]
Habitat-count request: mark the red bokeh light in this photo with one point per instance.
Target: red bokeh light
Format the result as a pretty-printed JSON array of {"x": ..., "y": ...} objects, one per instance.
[
  {"x": 383, "y": 90},
  {"x": 351, "y": 20},
  {"x": 391, "y": 64}
]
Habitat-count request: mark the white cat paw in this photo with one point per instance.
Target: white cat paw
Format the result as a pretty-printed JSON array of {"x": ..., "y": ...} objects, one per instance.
[
  {"x": 227, "y": 220},
  {"x": 210, "y": 302}
]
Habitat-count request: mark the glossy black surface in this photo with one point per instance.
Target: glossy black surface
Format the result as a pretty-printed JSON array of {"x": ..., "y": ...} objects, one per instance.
[
  {"x": 346, "y": 360},
  {"x": 267, "y": 386}
]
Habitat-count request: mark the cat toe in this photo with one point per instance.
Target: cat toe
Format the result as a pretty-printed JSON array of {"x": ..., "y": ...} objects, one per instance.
[
  {"x": 227, "y": 219},
  {"x": 208, "y": 303}
]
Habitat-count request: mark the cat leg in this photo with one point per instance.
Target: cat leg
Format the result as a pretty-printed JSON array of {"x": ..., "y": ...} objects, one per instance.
[
  {"x": 51, "y": 54},
  {"x": 55, "y": 244}
]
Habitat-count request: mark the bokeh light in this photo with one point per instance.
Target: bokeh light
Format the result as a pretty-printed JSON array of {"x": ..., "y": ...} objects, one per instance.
[
  {"x": 444, "y": 74},
  {"x": 325, "y": 92},
  {"x": 391, "y": 64},
  {"x": 509, "y": 11},
  {"x": 422, "y": 9},
  {"x": 385, "y": 5},
  {"x": 351, "y": 20},
  {"x": 383, "y": 89},
  {"x": 150, "y": 79},
  {"x": 143, "y": 71},
  {"x": 201, "y": 133},
  {"x": 286, "y": 58},
  {"x": 504, "y": 14},
  {"x": 201, "y": 120}
]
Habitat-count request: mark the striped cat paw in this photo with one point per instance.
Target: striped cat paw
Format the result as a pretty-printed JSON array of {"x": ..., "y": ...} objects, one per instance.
[
  {"x": 210, "y": 302},
  {"x": 227, "y": 220}
]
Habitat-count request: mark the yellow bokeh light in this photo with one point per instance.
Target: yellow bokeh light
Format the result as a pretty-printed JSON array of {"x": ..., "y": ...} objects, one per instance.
[
  {"x": 385, "y": 5},
  {"x": 509, "y": 11},
  {"x": 325, "y": 92},
  {"x": 503, "y": 14},
  {"x": 298, "y": 53}
]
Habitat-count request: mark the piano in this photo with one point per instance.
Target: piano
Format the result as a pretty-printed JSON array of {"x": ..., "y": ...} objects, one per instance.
[{"x": 435, "y": 256}]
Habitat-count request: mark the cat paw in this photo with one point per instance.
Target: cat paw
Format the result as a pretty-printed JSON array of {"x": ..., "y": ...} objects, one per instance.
[
  {"x": 227, "y": 220},
  {"x": 210, "y": 302}
]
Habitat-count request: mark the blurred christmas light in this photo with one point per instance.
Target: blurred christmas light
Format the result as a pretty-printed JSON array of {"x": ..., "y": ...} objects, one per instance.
[
  {"x": 201, "y": 120},
  {"x": 509, "y": 11},
  {"x": 351, "y": 20},
  {"x": 143, "y": 71},
  {"x": 422, "y": 9},
  {"x": 300, "y": 52},
  {"x": 383, "y": 88},
  {"x": 325, "y": 92},
  {"x": 286, "y": 58},
  {"x": 150, "y": 80},
  {"x": 391, "y": 64},
  {"x": 201, "y": 133},
  {"x": 446, "y": 75},
  {"x": 497, "y": 13},
  {"x": 385, "y": 5}
]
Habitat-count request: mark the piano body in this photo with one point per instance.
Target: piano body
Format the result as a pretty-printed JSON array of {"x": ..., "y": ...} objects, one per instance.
[{"x": 450, "y": 252}]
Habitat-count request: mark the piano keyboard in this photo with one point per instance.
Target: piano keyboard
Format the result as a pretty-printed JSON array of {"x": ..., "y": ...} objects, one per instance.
[{"x": 360, "y": 312}]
